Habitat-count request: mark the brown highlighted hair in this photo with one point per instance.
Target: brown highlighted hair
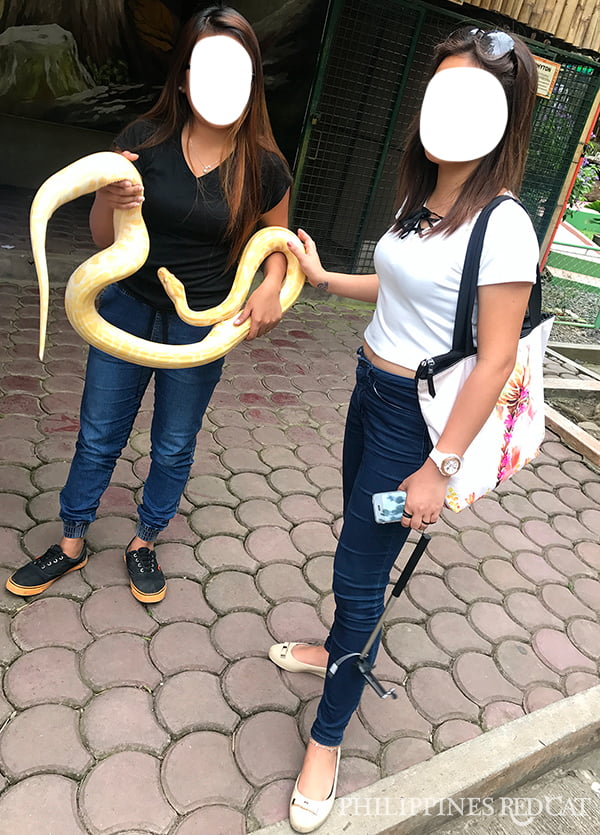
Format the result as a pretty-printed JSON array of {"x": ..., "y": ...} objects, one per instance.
[
  {"x": 251, "y": 135},
  {"x": 503, "y": 167}
]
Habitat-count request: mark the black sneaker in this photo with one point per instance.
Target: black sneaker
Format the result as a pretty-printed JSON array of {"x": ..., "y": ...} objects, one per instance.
[
  {"x": 147, "y": 581},
  {"x": 37, "y": 575}
]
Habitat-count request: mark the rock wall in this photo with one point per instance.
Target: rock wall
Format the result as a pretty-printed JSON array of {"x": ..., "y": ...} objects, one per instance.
[
  {"x": 97, "y": 25},
  {"x": 99, "y": 63},
  {"x": 39, "y": 64}
]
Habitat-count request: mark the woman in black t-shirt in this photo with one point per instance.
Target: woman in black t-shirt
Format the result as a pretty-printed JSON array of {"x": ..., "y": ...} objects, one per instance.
[{"x": 206, "y": 186}]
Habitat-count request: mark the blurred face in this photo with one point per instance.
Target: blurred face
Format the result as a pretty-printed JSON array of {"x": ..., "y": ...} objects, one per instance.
[
  {"x": 464, "y": 112},
  {"x": 219, "y": 79}
]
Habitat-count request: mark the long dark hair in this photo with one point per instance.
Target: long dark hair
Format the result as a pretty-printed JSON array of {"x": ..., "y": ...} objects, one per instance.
[
  {"x": 502, "y": 168},
  {"x": 241, "y": 171}
]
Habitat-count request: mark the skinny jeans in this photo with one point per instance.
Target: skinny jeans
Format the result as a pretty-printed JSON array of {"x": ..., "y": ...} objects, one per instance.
[
  {"x": 385, "y": 440},
  {"x": 111, "y": 400}
]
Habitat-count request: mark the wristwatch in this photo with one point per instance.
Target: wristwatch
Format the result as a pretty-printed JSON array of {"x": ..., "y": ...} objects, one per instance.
[{"x": 448, "y": 463}]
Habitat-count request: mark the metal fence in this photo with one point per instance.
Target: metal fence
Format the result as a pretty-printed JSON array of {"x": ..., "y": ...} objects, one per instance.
[{"x": 372, "y": 74}]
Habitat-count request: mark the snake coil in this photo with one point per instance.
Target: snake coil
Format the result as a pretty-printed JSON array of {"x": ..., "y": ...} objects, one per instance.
[{"x": 126, "y": 255}]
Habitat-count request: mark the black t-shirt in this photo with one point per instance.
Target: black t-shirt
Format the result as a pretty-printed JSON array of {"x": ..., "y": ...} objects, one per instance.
[{"x": 186, "y": 219}]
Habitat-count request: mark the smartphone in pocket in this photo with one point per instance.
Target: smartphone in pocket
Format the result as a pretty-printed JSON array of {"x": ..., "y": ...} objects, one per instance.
[{"x": 388, "y": 507}]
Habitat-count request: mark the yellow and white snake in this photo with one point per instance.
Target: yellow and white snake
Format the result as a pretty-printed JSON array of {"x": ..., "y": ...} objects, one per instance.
[{"x": 126, "y": 255}]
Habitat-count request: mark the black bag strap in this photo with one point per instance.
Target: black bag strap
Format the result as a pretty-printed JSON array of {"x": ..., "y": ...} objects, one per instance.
[{"x": 462, "y": 340}]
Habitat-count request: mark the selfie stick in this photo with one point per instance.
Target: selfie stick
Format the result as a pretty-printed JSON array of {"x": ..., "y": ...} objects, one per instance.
[{"x": 365, "y": 667}]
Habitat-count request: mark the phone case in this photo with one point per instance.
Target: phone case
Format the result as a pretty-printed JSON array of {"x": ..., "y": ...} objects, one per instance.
[{"x": 388, "y": 507}]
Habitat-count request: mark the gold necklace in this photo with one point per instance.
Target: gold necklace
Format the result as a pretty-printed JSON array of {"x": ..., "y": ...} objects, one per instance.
[{"x": 205, "y": 168}]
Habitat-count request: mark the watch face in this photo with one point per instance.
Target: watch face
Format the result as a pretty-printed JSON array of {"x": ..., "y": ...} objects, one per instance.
[{"x": 450, "y": 466}]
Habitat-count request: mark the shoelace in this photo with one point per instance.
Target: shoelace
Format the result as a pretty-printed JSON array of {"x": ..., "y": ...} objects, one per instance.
[
  {"x": 53, "y": 555},
  {"x": 145, "y": 560}
]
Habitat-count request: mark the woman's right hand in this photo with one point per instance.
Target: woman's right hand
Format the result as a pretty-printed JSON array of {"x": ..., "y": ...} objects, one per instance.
[
  {"x": 309, "y": 259},
  {"x": 122, "y": 194},
  {"x": 425, "y": 493}
]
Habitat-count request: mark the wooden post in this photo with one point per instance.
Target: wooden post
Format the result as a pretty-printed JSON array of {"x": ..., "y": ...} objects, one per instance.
[
  {"x": 517, "y": 9},
  {"x": 564, "y": 26},
  {"x": 537, "y": 13},
  {"x": 555, "y": 18},
  {"x": 574, "y": 33},
  {"x": 569, "y": 182},
  {"x": 546, "y": 18},
  {"x": 575, "y": 21},
  {"x": 572, "y": 435},
  {"x": 528, "y": 11},
  {"x": 592, "y": 37}
]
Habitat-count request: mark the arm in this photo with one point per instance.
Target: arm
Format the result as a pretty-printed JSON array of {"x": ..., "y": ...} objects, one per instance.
[
  {"x": 363, "y": 288},
  {"x": 120, "y": 195},
  {"x": 275, "y": 266},
  {"x": 263, "y": 304},
  {"x": 497, "y": 341}
]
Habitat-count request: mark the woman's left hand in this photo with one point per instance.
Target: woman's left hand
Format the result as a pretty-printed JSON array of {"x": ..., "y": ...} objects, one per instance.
[
  {"x": 425, "y": 493},
  {"x": 265, "y": 309}
]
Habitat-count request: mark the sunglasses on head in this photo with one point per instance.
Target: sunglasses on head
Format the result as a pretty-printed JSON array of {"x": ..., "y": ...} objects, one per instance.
[{"x": 496, "y": 44}]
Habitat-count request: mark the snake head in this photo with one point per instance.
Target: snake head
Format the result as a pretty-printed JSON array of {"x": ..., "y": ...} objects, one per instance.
[
  {"x": 173, "y": 287},
  {"x": 175, "y": 290}
]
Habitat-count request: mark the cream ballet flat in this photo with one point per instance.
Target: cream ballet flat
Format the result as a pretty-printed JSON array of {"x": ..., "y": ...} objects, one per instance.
[
  {"x": 306, "y": 815},
  {"x": 281, "y": 654}
]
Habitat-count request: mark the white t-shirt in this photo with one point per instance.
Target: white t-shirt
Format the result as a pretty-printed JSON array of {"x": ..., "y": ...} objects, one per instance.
[{"x": 419, "y": 279}]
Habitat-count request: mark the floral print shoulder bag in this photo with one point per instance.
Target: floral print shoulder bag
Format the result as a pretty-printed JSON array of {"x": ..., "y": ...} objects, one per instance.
[{"x": 511, "y": 436}]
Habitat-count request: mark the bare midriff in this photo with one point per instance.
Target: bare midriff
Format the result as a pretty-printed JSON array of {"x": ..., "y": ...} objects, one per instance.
[{"x": 386, "y": 365}]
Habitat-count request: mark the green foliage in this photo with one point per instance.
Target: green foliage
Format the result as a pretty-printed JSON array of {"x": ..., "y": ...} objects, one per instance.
[
  {"x": 589, "y": 173},
  {"x": 595, "y": 205}
]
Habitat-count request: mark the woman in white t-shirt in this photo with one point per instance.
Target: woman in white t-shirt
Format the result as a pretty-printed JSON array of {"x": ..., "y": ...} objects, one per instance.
[{"x": 387, "y": 447}]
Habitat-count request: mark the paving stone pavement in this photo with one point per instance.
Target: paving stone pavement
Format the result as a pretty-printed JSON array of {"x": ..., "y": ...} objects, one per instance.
[{"x": 121, "y": 718}]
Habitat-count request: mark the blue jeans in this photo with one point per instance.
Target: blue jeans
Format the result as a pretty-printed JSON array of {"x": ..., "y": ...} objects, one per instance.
[
  {"x": 111, "y": 400},
  {"x": 386, "y": 440}
]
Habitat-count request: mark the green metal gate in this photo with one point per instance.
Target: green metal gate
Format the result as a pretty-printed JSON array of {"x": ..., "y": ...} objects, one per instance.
[{"x": 372, "y": 74}]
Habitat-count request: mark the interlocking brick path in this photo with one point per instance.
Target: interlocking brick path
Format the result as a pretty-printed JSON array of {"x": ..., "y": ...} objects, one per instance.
[
  {"x": 118, "y": 717},
  {"x": 68, "y": 227}
]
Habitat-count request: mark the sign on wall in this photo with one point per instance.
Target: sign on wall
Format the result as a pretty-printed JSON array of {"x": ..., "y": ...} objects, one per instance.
[{"x": 547, "y": 75}]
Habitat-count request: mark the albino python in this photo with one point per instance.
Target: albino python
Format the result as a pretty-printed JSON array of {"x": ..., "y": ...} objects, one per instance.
[{"x": 126, "y": 255}]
